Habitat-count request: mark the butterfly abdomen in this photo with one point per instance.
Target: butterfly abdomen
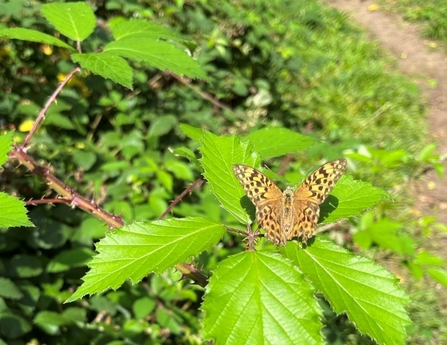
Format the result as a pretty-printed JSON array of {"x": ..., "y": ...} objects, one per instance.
[{"x": 287, "y": 216}]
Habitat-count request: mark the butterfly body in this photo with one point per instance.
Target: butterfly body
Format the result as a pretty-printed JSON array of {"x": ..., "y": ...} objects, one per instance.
[{"x": 292, "y": 213}]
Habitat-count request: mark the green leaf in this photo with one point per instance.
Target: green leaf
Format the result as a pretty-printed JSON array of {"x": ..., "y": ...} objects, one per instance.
[
  {"x": 75, "y": 314},
  {"x": 416, "y": 270},
  {"x": 370, "y": 295},
  {"x": 384, "y": 232},
  {"x": 143, "y": 307},
  {"x": 349, "y": 198},
  {"x": 51, "y": 321},
  {"x": 260, "y": 298},
  {"x": 275, "y": 141},
  {"x": 159, "y": 54},
  {"x": 136, "y": 250},
  {"x": 402, "y": 244},
  {"x": 426, "y": 258},
  {"x": 138, "y": 28},
  {"x": 33, "y": 36},
  {"x": 84, "y": 159},
  {"x": 12, "y": 212},
  {"x": 49, "y": 318},
  {"x": 5, "y": 146},
  {"x": 24, "y": 266},
  {"x": 59, "y": 120},
  {"x": 162, "y": 125},
  {"x": 106, "y": 65},
  {"x": 180, "y": 170},
  {"x": 219, "y": 153},
  {"x": 75, "y": 20},
  {"x": 13, "y": 326},
  {"x": 9, "y": 290},
  {"x": 439, "y": 275},
  {"x": 70, "y": 258},
  {"x": 168, "y": 320},
  {"x": 192, "y": 132}
]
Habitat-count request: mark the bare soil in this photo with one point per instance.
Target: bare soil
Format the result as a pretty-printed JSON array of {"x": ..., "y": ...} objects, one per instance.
[{"x": 420, "y": 62}]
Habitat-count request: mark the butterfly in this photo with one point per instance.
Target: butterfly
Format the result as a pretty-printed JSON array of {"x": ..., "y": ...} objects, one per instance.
[{"x": 288, "y": 214}]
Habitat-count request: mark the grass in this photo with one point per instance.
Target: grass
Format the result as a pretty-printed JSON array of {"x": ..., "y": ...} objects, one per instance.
[{"x": 432, "y": 14}]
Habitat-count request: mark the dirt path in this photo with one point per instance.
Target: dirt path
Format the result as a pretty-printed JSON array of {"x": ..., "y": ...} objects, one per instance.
[{"x": 419, "y": 62}]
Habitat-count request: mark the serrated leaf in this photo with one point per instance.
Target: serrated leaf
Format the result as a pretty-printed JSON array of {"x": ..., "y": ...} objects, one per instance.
[
  {"x": 142, "y": 28},
  {"x": 349, "y": 198},
  {"x": 33, "y": 36},
  {"x": 219, "y": 153},
  {"x": 109, "y": 66},
  {"x": 12, "y": 212},
  {"x": 5, "y": 146},
  {"x": 9, "y": 290},
  {"x": 278, "y": 141},
  {"x": 370, "y": 295},
  {"x": 134, "y": 251},
  {"x": 159, "y": 54},
  {"x": 260, "y": 298},
  {"x": 75, "y": 20}
]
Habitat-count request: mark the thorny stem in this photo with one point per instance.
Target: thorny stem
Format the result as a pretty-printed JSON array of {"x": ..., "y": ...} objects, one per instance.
[
  {"x": 67, "y": 194},
  {"x": 202, "y": 94},
  {"x": 70, "y": 197},
  {"x": 240, "y": 232},
  {"x": 41, "y": 116},
  {"x": 174, "y": 202},
  {"x": 249, "y": 235}
]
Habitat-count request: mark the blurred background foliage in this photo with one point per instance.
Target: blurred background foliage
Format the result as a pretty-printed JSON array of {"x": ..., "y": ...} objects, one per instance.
[{"x": 293, "y": 64}]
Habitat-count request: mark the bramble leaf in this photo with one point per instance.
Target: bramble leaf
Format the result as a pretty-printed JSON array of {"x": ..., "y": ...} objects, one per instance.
[{"x": 260, "y": 298}]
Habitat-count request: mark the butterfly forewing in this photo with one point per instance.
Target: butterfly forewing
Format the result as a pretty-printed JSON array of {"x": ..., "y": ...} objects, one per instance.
[
  {"x": 321, "y": 182},
  {"x": 311, "y": 194}
]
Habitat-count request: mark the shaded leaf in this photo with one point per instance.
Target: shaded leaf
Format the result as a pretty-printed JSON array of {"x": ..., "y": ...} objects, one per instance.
[
  {"x": 9, "y": 290},
  {"x": 109, "y": 66},
  {"x": 33, "y": 36}
]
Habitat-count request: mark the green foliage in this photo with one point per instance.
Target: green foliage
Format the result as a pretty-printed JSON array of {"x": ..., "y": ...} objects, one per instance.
[
  {"x": 275, "y": 69},
  {"x": 77, "y": 22},
  {"x": 256, "y": 287}
]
